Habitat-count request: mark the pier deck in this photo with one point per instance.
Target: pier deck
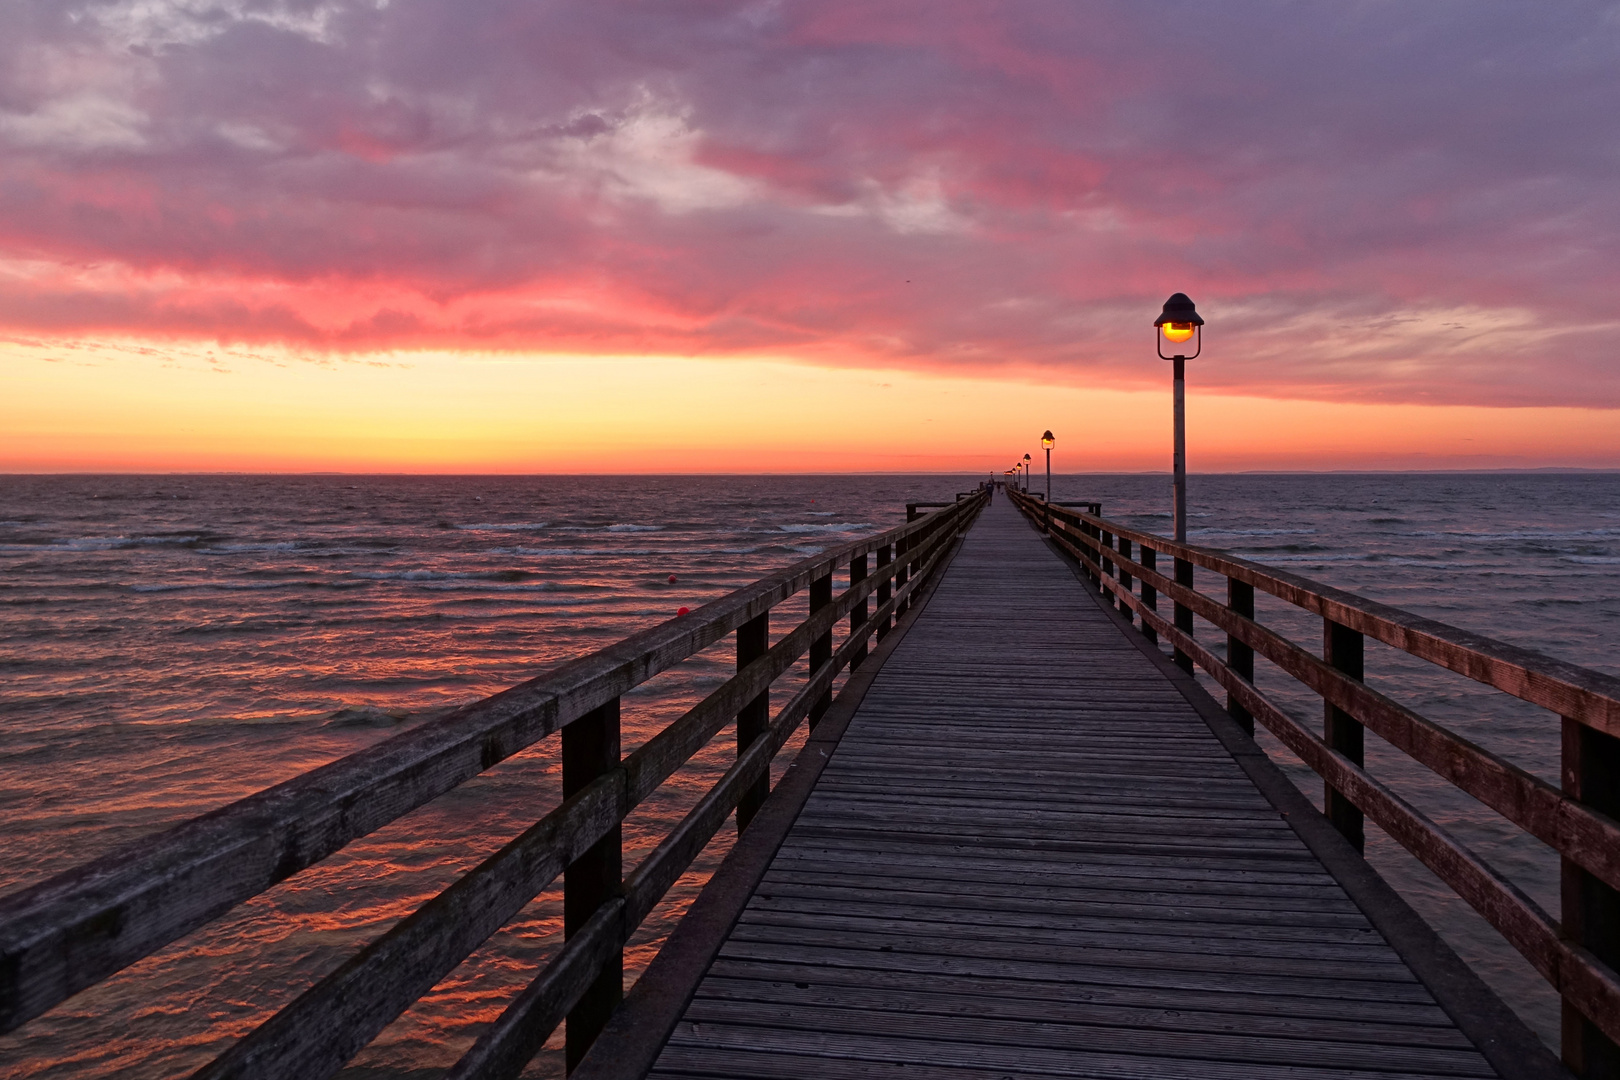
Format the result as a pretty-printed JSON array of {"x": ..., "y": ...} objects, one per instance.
[{"x": 1031, "y": 855}]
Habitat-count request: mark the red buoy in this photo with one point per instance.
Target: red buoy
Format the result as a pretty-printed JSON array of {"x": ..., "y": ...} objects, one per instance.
[
  {"x": 672, "y": 579},
  {"x": 684, "y": 611}
]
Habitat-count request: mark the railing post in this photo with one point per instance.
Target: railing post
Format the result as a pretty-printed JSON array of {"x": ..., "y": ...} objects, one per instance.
[
  {"x": 1150, "y": 595},
  {"x": 1183, "y": 614},
  {"x": 858, "y": 613},
  {"x": 821, "y": 649},
  {"x": 1125, "y": 580},
  {"x": 902, "y": 554},
  {"x": 1240, "y": 657},
  {"x": 1343, "y": 648},
  {"x": 884, "y": 589},
  {"x": 911, "y": 513},
  {"x": 1590, "y": 910},
  {"x": 1105, "y": 541},
  {"x": 590, "y": 747},
  {"x": 753, "y": 639}
]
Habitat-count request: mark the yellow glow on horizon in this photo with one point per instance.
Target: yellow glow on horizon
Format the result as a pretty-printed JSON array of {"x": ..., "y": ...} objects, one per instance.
[{"x": 147, "y": 408}]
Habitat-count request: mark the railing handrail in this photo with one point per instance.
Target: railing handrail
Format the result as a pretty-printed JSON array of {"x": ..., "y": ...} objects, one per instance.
[
  {"x": 1572, "y": 821},
  {"x": 81, "y": 926},
  {"x": 1580, "y": 693}
]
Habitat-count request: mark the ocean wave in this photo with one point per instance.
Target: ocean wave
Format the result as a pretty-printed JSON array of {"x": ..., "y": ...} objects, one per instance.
[
  {"x": 243, "y": 586},
  {"x": 1522, "y": 534},
  {"x": 503, "y": 587},
  {"x": 1365, "y": 558},
  {"x": 239, "y": 549},
  {"x": 1250, "y": 532},
  {"x": 584, "y": 552},
  {"x": 506, "y": 526},
  {"x": 831, "y": 526},
  {"x": 116, "y": 543},
  {"x": 634, "y": 528},
  {"x": 441, "y": 575}
]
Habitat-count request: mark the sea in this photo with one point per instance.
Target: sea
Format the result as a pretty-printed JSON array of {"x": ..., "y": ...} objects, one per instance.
[{"x": 171, "y": 643}]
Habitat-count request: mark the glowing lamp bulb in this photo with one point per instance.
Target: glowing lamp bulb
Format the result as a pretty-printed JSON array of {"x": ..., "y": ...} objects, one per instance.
[{"x": 1178, "y": 331}]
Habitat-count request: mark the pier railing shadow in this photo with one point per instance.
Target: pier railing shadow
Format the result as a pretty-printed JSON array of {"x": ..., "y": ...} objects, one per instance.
[
  {"x": 83, "y": 926},
  {"x": 1577, "y": 953}
]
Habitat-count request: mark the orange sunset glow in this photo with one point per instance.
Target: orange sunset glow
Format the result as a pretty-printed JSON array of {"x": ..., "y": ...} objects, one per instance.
[{"x": 119, "y": 409}]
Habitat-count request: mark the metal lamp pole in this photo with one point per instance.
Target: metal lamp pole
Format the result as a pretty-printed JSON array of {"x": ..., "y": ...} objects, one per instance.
[
  {"x": 1176, "y": 324},
  {"x": 1046, "y": 444},
  {"x": 1026, "y": 474}
]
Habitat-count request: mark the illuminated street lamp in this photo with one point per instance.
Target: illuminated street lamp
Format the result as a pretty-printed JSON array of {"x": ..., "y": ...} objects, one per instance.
[
  {"x": 1046, "y": 444},
  {"x": 1026, "y": 474},
  {"x": 1179, "y": 323}
]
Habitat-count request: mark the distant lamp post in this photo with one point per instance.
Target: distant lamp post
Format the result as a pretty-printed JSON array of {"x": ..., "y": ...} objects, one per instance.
[
  {"x": 1026, "y": 474},
  {"x": 1179, "y": 323},
  {"x": 1046, "y": 444}
]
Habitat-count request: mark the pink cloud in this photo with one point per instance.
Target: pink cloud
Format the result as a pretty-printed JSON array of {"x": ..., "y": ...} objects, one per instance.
[{"x": 1374, "y": 203}]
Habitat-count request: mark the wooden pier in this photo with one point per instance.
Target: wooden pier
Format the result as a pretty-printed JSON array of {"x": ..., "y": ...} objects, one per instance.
[
  {"x": 1030, "y": 855},
  {"x": 1020, "y": 840}
]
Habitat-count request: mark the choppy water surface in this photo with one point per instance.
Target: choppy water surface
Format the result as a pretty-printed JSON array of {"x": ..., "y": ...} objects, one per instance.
[{"x": 172, "y": 643}]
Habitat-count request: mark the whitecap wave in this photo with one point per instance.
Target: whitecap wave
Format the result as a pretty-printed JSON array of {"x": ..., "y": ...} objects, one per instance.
[
  {"x": 440, "y": 575},
  {"x": 634, "y": 528},
  {"x": 506, "y": 526},
  {"x": 1250, "y": 532},
  {"x": 831, "y": 526}
]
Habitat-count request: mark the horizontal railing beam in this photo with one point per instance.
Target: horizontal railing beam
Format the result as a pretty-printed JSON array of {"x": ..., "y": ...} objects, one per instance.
[
  {"x": 1579, "y": 833},
  {"x": 1588, "y": 696}
]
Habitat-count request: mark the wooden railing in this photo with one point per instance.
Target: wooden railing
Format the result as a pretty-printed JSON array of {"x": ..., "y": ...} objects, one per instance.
[
  {"x": 78, "y": 928},
  {"x": 1579, "y": 952}
]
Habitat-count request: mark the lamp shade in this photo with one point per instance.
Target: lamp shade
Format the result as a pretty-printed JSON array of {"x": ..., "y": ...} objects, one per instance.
[{"x": 1179, "y": 309}]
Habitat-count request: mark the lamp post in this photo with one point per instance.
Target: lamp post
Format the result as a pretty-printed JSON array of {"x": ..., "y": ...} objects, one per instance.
[
  {"x": 1046, "y": 444},
  {"x": 1026, "y": 474},
  {"x": 1178, "y": 323}
]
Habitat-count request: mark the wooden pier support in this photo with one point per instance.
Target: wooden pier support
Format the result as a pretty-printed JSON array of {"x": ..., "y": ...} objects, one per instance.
[
  {"x": 753, "y": 639},
  {"x": 1343, "y": 649},
  {"x": 821, "y": 649},
  {"x": 859, "y": 613},
  {"x": 1590, "y": 909},
  {"x": 1239, "y": 656},
  {"x": 590, "y": 749},
  {"x": 1183, "y": 613}
]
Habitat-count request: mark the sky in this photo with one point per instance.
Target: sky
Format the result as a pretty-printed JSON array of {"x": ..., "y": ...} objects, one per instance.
[{"x": 687, "y": 235}]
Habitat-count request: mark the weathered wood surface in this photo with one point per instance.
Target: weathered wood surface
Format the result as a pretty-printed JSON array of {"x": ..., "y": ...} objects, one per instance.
[{"x": 1030, "y": 856}]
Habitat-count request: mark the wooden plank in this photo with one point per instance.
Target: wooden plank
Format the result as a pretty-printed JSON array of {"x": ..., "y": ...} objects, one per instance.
[
  {"x": 1407, "y": 1021},
  {"x": 984, "y": 1028},
  {"x": 897, "y": 1050}
]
